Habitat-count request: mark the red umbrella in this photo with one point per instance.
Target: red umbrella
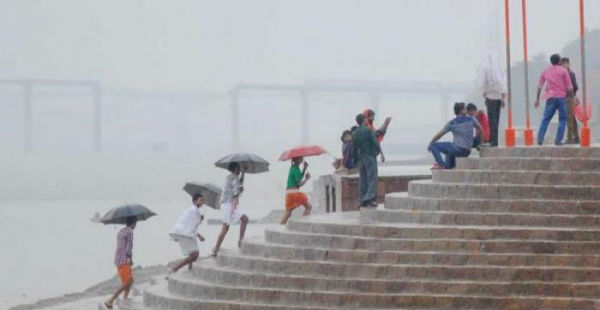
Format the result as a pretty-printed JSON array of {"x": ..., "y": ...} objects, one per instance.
[{"x": 302, "y": 151}]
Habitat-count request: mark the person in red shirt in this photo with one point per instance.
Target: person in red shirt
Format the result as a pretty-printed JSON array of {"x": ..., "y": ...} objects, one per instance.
[{"x": 483, "y": 121}]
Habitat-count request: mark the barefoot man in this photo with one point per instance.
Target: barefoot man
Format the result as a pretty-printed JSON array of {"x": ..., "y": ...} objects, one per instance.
[
  {"x": 185, "y": 232},
  {"x": 230, "y": 211},
  {"x": 294, "y": 197},
  {"x": 123, "y": 260}
]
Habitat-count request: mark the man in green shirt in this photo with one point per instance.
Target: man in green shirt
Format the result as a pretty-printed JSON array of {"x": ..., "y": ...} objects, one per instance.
[
  {"x": 293, "y": 196},
  {"x": 365, "y": 151}
]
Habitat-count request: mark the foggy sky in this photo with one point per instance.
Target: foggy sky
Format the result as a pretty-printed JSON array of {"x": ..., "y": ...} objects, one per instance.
[{"x": 210, "y": 45}]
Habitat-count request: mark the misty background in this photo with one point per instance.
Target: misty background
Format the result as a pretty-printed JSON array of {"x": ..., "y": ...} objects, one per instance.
[{"x": 166, "y": 69}]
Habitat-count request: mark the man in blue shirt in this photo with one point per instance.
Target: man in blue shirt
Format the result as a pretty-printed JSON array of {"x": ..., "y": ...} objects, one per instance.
[{"x": 462, "y": 128}]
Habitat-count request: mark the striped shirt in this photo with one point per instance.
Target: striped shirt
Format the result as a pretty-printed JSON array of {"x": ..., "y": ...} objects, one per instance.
[
  {"x": 232, "y": 188},
  {"x": 124, "y": 246}
]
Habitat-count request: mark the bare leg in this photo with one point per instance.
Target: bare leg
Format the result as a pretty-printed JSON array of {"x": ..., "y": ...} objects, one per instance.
[
  {"x": 307, "y": 208},
  {"x": 126, "y": 291},
  {"x": 220, "y": 239},
  {"x": 286, "y": 217},
  {"x": 187, "y": 261},
  {"x": 243, "y": 225},
  {"x": 124, "y": 287}
]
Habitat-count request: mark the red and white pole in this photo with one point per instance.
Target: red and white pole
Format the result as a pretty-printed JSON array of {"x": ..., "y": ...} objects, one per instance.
[
  {"x": 585, "y": 130},
  {"x": 509, "y": 132},
  {"x": 528, "y": 133}
]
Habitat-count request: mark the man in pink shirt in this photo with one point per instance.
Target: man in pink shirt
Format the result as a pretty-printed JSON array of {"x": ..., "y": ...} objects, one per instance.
[{"x": 558, "y": 86}]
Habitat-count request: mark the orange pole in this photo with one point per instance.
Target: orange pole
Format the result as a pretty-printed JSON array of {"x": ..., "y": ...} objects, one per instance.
[
  {"x": 528, "y": 133},
  {"x": 509, "y": 132},
  {"x": 585, "y": 130}
]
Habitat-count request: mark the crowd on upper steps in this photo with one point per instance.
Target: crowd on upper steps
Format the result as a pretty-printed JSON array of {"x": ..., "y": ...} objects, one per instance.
[{"x": 560, "y": 89}]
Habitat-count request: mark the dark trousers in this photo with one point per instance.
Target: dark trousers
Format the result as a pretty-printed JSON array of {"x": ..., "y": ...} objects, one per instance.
[
  {"x": 493, "y": 111},
  {"x": 476, "y": 141},
  {"x": 367, "y": 174},
  {"x": 572, "y": 130}
]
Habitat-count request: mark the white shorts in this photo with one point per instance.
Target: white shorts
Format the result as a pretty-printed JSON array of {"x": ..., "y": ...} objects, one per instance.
[
  {"x": 187, "y": 244},
  {"x": 229, "y": 215}
]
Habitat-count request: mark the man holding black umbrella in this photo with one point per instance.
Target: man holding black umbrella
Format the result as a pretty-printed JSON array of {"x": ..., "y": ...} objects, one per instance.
[
  {"x": 123, "y": 260},
  {"x": 231, "y": 213}
]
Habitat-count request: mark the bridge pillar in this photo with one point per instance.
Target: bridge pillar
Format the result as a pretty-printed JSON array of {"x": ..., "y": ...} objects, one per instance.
[
  {"x": 375, "y": 100},
  {"x": 305, "y": 116},
  {"x": 97, "y": 94},
  {"x": 28, "y": 120},
  {"x": 234, "y": 96},
  {"x": 445, "y": 107}
]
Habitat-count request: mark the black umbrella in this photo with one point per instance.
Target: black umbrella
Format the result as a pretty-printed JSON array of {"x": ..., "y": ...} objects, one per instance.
[
  {"x": 210, "y": 192},
  {"x": 251, "y": 163},
  {"x": 120, "y": 214}
]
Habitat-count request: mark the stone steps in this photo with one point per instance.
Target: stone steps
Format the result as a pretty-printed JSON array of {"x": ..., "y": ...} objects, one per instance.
[
  {"x": 439, "y": 245},
  {"x": 234, "y": 277},
  {"x": 578, "y": 178},
  {"x": 285, "y": 252},
  {"x": 482, "y": 218},
  {"x": 530, "y": 164},
  {"x": 565, "y": 151},
  {"x": 361, "y": 225},
  {"x": 159, "y": 298},
  {"x": 514, "y": 229},
  {"x": 411, "y": 271},
  {"x": 425, "y": 188},
  {"x": 371, "y": 300},
  {"x": 396, "y": 201}
]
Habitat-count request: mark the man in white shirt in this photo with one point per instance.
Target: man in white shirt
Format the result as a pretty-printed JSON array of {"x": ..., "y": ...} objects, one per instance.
[
  {"x": 492, "y": 81},
  {"x": 185, "y": 232}
]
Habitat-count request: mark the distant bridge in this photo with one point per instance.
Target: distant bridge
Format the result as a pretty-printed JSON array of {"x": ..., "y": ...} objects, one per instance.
[
  {"x": 28, "y": 86},
  {"x": 374, "y": 89}
]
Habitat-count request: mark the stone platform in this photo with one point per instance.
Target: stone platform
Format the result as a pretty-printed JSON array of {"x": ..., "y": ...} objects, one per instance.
[
  {"x": 339, "y": 192},
  {"x": 516, "y": 229}
]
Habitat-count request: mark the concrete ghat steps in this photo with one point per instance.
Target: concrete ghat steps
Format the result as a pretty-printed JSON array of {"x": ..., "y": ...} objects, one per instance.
[
  {"x": 566, "y": 151},
  {"x": 231, "y": 277},
  {"x": 530, "y": 164},
  {"x": 286, "y": 252},
  {"x": 426, "y": 188},
  {"x": 413, "y": 271},
  {"x": 373, "y": 300},
  {"x": 159, "y": 298},
  {"x": 482, "y": 218},
  {"x": 581, "y": 178},
  {"x": 234, "y": 277},
  {"x": 476, "y": 229},
  {"x": 396, "y": 201},
  {"x": 420, "y": 244}
]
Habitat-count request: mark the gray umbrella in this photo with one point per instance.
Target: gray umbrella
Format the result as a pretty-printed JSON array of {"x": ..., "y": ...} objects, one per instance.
[
  {"x": 250, "y": 162},
  {"x": 120, "y": 214},
  {"x": 211, "y": 193}
]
